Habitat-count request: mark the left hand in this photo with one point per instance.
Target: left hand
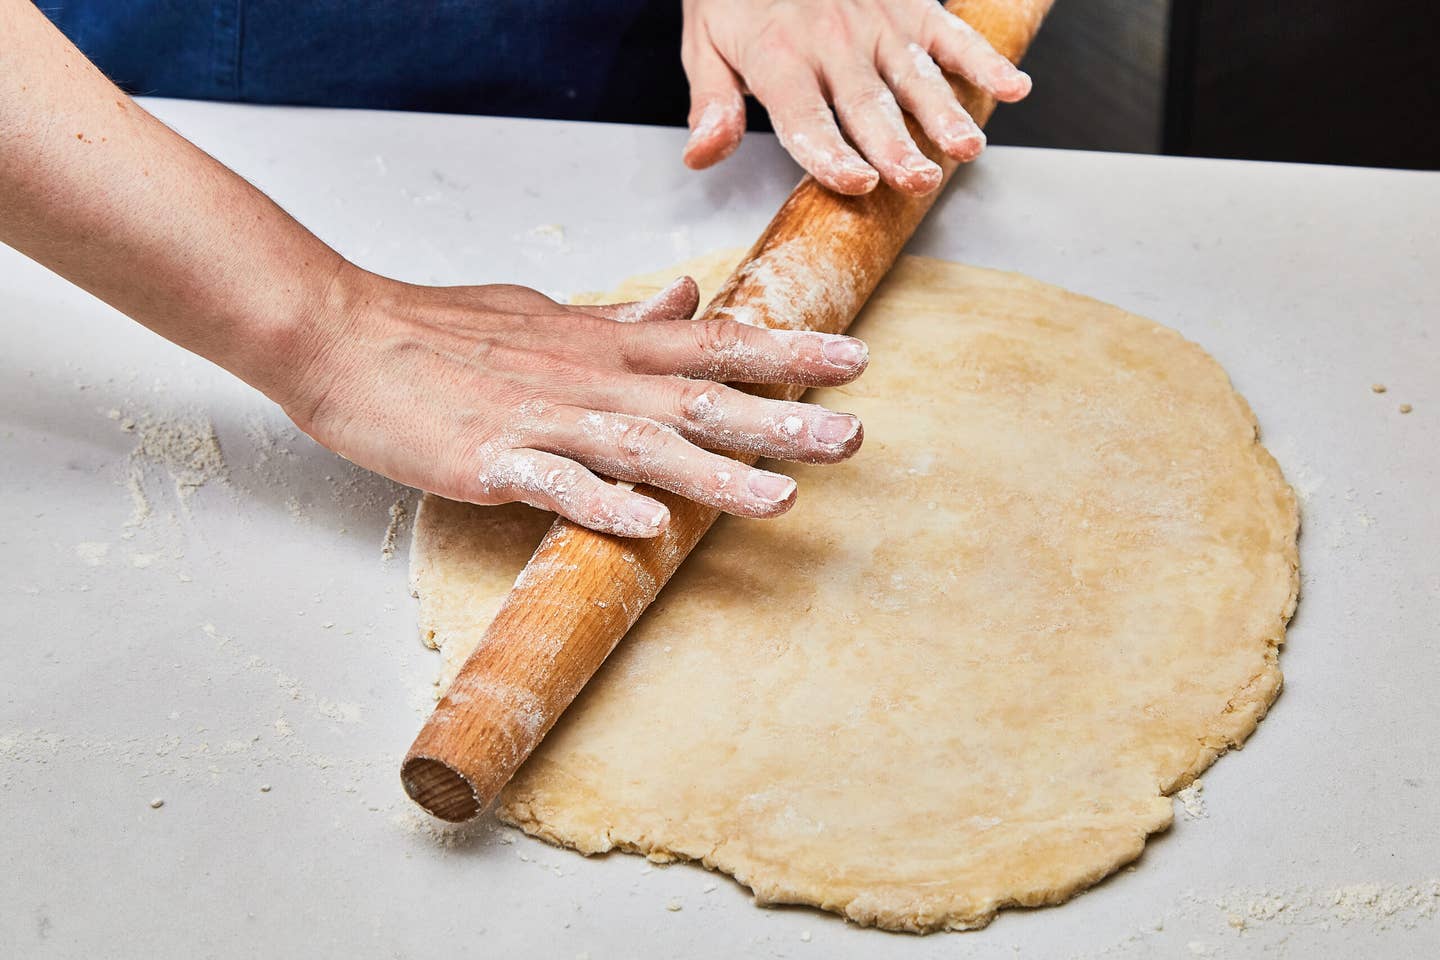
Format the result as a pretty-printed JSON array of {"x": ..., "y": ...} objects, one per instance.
[{"x": 868, "y": 59}]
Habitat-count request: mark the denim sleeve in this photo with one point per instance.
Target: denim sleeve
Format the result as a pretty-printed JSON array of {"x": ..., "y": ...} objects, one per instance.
[{"x": 612, "y": 59}]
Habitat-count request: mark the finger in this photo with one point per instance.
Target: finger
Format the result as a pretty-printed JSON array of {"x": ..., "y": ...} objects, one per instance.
[
  {"x": 806, "y": 128},
  {"x": 717, "y": 108},
  {"x": 921, "y": 88},
  {"x": 718, "y": 417},
  {"x": 870, "y": 115},
  {"x": 551, "y": 482},
  {"x": 645, "y": 451},
  {"x": 959, "y": 48},
  {"x": 677, "y": 301},
  {"x": 729, "y": 350}
]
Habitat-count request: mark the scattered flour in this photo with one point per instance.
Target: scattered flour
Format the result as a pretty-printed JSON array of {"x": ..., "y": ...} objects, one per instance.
[
  {"x": 296, "y": 509},
  {"x": 1279, "y": 922},
  {"x": 271, "y": 445},
  {"x": 1192, "y": 800},
  {"x": 185, "y": 447},
  {"x": 551, "y": 233},
  {"x": 448, "y": 836},
  {"x": 91, "y": 552},
  {"x": 541, "y": 242},
  {"x": 399, "y": 513},
  {"x": 1378, "y": 905}
]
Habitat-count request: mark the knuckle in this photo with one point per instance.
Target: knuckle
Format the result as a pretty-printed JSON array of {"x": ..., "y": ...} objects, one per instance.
[
  {"x": 486, "y": 467},
  {"x": 561, "y": 484},
  {"x": 698, "y": 401},
  {"x": 643, "y": 439},
  {"x": 717, "y": 338},
  {"x": 834, "y": 28},
  {"x": 776, "y": 31},
  {"x": 917, "y": 71},
  {"x": 479, "y": 447},
  {"x": 514, "y": 290},
  {"x": 776, "y": 37},
  {"x": 636, "y": 345},
  {"x": 871, "y": 96},
  {"x": 872, "y": 104},
  {"x": 594, "y": 509},
  {"x": 725, "y": 483}
]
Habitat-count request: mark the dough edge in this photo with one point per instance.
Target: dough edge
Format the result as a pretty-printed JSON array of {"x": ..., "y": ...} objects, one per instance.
[{"x": 905, "y": 911}]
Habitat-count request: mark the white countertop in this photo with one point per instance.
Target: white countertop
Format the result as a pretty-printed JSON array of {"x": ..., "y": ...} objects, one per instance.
[{"x": 253, "y": 635}]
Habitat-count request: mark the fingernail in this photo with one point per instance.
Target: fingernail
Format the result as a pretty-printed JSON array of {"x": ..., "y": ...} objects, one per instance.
[
  {"x": 648, "y": 514},
  {"x": 962, "y": 130},
  {"x": 835, "y": 428},
  {"x": 919, "y": 163},
  {"x": 844, "y": 352},
  {"x": 664, "y": 297},
  {"x": 867, "y": 175},
  {"x": 708, "y": 123},
  {"x": 1010, "y": 82},
  {"x": 772, "y": 487},
  {"x": 641, "y": 309},
  {"x": 666, "y": 292}
]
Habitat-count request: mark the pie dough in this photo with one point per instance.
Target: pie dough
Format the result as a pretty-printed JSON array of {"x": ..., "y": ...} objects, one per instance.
[{"x": 966, "y": 670}]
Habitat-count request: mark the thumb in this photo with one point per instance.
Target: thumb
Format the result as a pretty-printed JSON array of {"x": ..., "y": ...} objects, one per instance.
[{"x": 717, "y": 108}]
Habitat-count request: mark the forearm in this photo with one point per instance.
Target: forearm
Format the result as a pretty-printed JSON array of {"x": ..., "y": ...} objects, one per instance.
[
  {"x": 488, "y": 394},
  {"x": 99, "y": 191}
]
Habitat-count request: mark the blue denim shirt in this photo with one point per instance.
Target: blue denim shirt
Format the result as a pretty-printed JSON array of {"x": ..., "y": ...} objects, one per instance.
[{"x": 613, "y": 60}]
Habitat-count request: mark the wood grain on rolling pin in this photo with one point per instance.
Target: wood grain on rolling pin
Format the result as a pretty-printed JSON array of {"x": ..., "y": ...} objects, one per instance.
[{"x": 813, "y": 268}]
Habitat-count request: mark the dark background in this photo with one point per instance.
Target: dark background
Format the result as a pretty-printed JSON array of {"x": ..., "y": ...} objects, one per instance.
[
  {"x": 1352, "y": 83},
  {"x": 1321, "y": 82}
]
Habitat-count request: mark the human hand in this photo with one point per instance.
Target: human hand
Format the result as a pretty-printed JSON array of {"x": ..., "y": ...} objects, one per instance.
[
  {"x": 488, "y": 394},
  {"x": 866, "y": 59},
  {"x": 497, "y": 393}
]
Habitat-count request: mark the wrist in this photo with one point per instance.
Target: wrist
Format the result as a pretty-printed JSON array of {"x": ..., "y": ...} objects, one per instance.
[{"x": 286, "y": 356}]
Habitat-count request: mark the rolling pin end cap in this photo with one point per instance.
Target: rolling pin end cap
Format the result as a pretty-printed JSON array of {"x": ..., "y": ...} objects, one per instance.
[{"x": 442, "y": 790}]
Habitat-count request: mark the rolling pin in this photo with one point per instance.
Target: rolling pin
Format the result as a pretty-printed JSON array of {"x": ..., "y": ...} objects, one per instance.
[{"x": 812, "y": 269}]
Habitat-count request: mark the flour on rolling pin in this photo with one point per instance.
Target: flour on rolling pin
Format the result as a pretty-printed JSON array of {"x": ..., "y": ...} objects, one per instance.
[{"x": 788, "y": 283}]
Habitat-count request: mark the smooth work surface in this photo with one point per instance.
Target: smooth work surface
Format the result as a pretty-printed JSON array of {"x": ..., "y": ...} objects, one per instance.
[{"x": 215, "y": 625}]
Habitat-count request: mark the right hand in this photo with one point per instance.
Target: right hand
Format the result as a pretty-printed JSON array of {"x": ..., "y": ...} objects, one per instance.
[
  {"x": 834, "y": 78},
  {"x": 497, "y": 393}
]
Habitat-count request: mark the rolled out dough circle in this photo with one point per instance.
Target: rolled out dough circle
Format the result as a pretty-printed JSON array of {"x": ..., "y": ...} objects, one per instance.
[{"x": 967, "y": 668}]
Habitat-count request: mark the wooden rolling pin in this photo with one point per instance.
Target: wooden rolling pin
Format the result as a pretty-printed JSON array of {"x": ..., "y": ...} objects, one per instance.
[{"x": 813, "y": 268}]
